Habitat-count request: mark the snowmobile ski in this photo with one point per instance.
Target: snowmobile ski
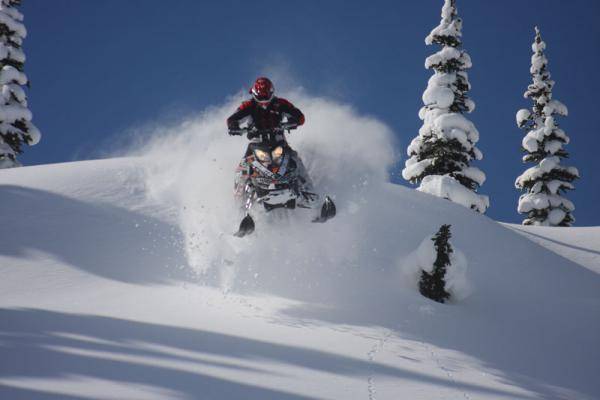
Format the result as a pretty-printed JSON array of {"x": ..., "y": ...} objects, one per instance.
[
  {"x": 328, "y": 211},
  {"x": 246, "y": 227}
]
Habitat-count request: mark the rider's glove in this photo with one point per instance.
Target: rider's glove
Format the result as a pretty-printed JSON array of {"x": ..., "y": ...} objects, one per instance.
[
  {"x": 289, "y": 125},
  {"x": 235, "y": 132}
]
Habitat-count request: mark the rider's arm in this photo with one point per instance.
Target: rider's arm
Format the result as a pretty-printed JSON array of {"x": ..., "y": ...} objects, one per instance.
[
  {"x": 294, "y": 115},
  {"x": 243, "y": 111}
]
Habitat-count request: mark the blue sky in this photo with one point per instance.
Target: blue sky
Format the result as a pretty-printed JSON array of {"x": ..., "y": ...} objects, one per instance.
[{"x": 99, "y": 68}]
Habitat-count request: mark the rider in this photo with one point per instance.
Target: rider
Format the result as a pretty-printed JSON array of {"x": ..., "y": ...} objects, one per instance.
[
  {"x": 264, "y": 110},
  {"x": 265, "y": 113}
]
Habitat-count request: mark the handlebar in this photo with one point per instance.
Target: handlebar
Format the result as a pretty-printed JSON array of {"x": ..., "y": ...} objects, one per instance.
[{"x": 253, "y": 132}]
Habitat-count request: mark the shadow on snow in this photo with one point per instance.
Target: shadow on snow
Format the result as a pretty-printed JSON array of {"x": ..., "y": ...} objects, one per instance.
[{"x": 46, "y": 344}]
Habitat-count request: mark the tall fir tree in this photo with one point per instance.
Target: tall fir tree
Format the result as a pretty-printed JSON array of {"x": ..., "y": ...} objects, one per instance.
[
  {"x": 433, "y": 284},
  {"x": 16, "y": 128},
  {"x": 440, "y": 156},
  {"x": 545, "y": 182}
]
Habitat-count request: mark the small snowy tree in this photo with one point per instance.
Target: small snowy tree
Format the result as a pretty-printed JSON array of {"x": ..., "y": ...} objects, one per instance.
[
  {"x": 544, "y": 183},
  {"x": 437, "y": 268},
  {"x": 432, "y": 283},
  {"x": 440, "y": 156},
  {"x": 16, "y": 128}
]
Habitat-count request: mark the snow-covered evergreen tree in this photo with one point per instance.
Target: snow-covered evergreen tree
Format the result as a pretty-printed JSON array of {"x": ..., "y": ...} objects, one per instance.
[
  {"x": 544, "y": 183},
  {"x": 440, "y": 156},
  {"x": 16, "y": 128},
  {"x": 433, "y": 283}
]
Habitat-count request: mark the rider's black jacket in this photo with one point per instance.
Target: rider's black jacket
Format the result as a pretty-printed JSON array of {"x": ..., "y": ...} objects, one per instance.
[{"x": 265, "y": 119}]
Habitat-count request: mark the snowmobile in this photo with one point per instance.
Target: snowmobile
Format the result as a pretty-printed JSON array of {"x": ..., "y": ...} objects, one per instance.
[{"x": 270, "y": 175}]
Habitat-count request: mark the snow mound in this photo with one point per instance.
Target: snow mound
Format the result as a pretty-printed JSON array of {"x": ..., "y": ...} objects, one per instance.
[
  {"x": 449, "y": 188},
  {"x": 422, "y": 259},
  {"x": 121, "y": 276}
]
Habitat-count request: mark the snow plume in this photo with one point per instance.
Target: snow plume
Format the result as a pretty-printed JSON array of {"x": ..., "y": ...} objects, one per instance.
[{"x": 191, "y": 165}]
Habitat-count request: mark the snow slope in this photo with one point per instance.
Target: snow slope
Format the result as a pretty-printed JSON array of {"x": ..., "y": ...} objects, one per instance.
[
  {"x": 579, "y": 245},
  {"x": 120, "y": 280}
]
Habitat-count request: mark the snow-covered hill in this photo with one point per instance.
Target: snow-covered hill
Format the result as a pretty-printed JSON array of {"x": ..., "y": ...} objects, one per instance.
[{"x": 120, "y": 280}]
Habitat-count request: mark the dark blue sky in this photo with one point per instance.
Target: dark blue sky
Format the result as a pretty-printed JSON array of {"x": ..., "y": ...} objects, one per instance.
[{"x": 98, "y": 68}]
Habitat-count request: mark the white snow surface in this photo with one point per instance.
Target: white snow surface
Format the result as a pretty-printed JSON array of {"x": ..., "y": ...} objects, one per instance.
[
  {"x": 11, "y": 19},
  {"x": 9, "y": 74},
  {"x": 556, "y": 107},
  {"x": 473, "y": 173},
  {"x": 121, "y": 280},
  {"x": 438, "y": 96},
  {"x": 448, "y": 188},
  {"x": 456, "y": 126},
  {"x": 544, "y": 167},
  {"x": 579, "y": 245},
  {"x": 415, "y": 168},
  {"x": 522, "y": 116},
  {"x": 446, "y": 54}
]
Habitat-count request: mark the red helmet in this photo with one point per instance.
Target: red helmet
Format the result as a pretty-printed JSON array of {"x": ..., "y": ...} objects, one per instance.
[{"x": 262, "y": 90}]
